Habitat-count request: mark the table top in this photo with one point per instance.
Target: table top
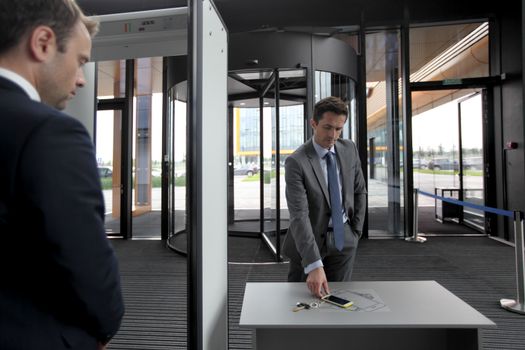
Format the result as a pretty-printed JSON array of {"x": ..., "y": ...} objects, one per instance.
[{"x": 377, "y": 304}]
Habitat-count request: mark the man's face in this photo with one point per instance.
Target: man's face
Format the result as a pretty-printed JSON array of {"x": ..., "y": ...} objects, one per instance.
[
  {"x": 63, "y": 74},
  {"x": 328, "y": 129}
]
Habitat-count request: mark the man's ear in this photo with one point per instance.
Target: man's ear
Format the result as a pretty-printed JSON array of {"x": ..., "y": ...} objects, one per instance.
[
  {"x": 42, "y": 43},
  {"x": 313, "y": 123}
]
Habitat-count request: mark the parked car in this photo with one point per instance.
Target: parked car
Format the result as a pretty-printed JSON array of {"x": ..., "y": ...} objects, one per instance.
[
  {"x": 418, "y": 163},
  {"x": 443, "y": 164},
  {"x": 104, "y": 171},
  {"x": 473, "y": 163},
  {"x": 245, "y": 169}
]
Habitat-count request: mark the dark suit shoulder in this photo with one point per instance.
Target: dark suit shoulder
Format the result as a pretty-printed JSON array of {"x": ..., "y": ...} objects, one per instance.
[
  {"x": 21, "y": 121},
  {"x": 23, "y": 116},
  {"x": 7, "y": 85},
  {"x": 19, "y": 109}
]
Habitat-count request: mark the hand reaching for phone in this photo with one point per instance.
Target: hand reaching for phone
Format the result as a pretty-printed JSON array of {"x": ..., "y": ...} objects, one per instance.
[{"x": 317, "y": 283}]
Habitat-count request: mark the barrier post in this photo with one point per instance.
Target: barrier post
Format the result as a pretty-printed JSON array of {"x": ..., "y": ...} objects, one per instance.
[
  {"x": 518, "y": 305},
  {"x": 415, "y": 237}
]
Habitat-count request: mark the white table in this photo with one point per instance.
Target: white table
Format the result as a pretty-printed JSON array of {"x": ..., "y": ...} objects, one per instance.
[{"x": 413, "y": 315}]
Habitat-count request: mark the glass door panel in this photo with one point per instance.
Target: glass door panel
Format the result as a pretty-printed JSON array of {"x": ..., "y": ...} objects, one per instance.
[
  {"x": 169, "y": 162},
  {"x": 262, "y": 136},
  {"x": 147, "y": 149},
  {"x": 246, "y": 159},
  {"x": 385, "y": 134},
  {"x": 176, "y": 166},
  {"x": 332, "y": 84},
  {"x": 291, "y": 130},
  {"x": 471, "y": 123},
  {"x": 108, "y": 153},
  {"x": 179, "y": 166},
  {"x": 436, "y": 148},
  {"x": 269, "y": 181}
]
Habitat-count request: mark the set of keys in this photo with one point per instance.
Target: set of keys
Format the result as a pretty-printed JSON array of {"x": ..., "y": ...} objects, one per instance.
[{"x": 305, "y": 306}]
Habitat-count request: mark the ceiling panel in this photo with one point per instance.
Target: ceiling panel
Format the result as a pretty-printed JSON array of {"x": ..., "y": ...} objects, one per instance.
[
  {"x": 246, "y": 15},
  {"x": 104, "y": 7}
]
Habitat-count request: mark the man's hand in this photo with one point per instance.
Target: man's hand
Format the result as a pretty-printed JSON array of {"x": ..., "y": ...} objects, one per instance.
[{"x": 317, "y": 283}]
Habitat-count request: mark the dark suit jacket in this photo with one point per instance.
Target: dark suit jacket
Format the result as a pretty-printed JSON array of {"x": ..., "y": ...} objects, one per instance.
[
  {"x": 309, "y": 202},
  {"x": 59, "y": 280}
]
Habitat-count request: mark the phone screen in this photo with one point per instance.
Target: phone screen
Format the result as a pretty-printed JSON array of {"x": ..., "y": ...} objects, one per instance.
[{"x": 337, "y": 300}]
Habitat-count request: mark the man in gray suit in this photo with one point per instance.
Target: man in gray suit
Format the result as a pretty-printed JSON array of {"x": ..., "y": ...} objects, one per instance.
[{"x": 321, "y": 243}]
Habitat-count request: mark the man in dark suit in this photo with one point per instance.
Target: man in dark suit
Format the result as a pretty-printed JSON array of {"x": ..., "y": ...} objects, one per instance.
[
  {"x": 59, "y": 279},
  {"x": 322, "y": 241}
]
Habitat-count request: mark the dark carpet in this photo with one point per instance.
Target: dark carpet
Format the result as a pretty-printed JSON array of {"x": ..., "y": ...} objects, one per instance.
[{"x": 477, "y": 269}]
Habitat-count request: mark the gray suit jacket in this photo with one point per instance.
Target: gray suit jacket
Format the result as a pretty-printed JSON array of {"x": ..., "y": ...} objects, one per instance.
[{"x": 309, "y": 201}]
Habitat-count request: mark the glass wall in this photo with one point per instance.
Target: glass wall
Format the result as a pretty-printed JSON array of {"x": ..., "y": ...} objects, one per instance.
[
  {"x": 291, "y": 129},
  {"x": 472, "y": 162},
  {"x": 331, "y": 84},
  {"x": 146, "y": 143},
  {"x": 288, "y": 127},
  {"x": 177, "y": 155},
  {"x": 147, "y": 148},
  {"x": 447, "y": 133},
  {"x": 449, "y": 52},
  {"x": 447, "y": 124},
  {"x": 435, "y": 141},
  {"x": 269, "y": 169},
  {"x": 246, "y": 157},
  {"x": 111, "y": 79},
  {"x": 107, "y": 132},
  {"x": 246, "y": 131},
  {"x": 385, "y": 135}
]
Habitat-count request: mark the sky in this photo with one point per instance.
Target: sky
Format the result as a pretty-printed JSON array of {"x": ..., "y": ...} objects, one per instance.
[{"x": 439, "y": 126}]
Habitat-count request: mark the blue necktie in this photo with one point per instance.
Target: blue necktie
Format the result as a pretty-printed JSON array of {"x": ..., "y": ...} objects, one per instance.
[{"x": 335, "y": 201}]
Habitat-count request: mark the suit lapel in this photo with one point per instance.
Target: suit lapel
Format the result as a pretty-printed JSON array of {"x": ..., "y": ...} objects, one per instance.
[{"x": 313, "y": 158}]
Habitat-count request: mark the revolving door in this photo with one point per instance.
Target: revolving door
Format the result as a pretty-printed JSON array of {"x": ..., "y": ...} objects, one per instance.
[
  {"x": 266, "y": 124},
  {"x": 274, "y": 80}
]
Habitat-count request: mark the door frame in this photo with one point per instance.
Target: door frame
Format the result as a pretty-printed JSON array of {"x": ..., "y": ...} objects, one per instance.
[{"x": 486, "y": 86}]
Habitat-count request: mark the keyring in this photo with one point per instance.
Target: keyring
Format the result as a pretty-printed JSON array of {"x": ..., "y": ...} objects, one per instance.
[{"x": 301, "y": 304}]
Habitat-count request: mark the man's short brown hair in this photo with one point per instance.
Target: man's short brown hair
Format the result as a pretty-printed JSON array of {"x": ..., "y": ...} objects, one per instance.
[
  {"x": 330, "y": 104},
  {"x": 20, "y": 17}
]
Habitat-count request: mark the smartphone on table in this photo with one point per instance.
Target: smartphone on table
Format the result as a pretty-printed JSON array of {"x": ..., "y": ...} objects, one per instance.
[{"x": 341, "y": 302}]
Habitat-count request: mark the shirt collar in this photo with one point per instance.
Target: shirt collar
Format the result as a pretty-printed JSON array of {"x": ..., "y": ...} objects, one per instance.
[
  {"x": 321, "y": 151},
  {"x": 22, "y": 82}
]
